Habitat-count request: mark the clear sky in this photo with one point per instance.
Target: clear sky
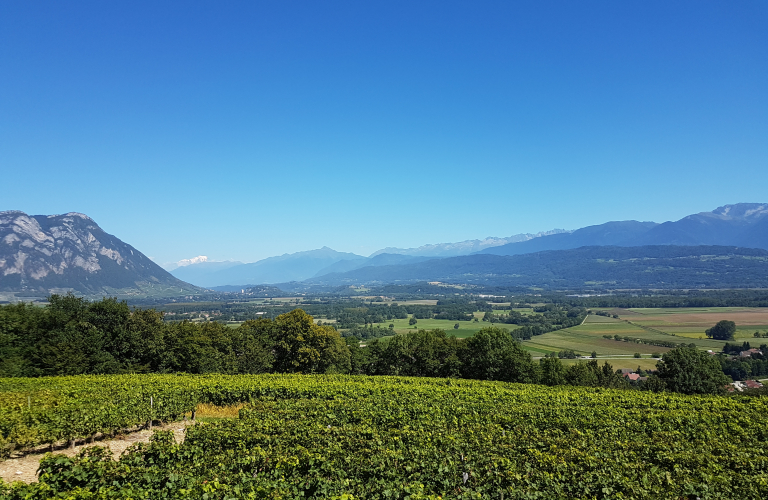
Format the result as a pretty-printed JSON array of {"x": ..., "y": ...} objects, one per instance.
[{"x": 241, "y": 130}]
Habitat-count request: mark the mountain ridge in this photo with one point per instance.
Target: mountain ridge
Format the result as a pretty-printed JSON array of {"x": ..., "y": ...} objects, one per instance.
[
  {"x": 71, "y": 252},
  {"x": 657, "y": 266},
  {"x": 296, "y": 266},
  {"x": 740, "y": 224}
]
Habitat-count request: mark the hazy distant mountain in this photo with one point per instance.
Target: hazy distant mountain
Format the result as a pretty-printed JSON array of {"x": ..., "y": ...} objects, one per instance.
[
  {"x": 288, "y": 267},
  {"x": 464, "y": 247},
  {"x": 743, "y": 224},
  {"x": 610, "y": 233},
  {"x": 383, "y": 259},
  {"x": 57, "y": 253},
  {"x": 199, "y": 271},
  {"x": 586, "y": 267}
]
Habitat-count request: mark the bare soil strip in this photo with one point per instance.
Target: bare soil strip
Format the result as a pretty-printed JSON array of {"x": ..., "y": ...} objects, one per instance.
[{"x": 24, "y": 467}]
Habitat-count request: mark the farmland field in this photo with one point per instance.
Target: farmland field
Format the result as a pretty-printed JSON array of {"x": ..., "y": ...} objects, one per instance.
[
  {"x": 466, "y": 328},
  {"x": 677, "y": 325},
  {"x": 388, "y": 437},
  {"x": 692, "y": 322}
]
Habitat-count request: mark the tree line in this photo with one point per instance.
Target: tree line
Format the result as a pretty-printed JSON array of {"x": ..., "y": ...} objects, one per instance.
[{"x": 72, "y": 336}]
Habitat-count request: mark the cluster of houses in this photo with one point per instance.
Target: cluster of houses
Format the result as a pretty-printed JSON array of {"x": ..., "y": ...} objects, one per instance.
[
  {"x": 749, "y": 352},
  {"x": 631, "y": 375},
  {"x": 741, "y": 386}
]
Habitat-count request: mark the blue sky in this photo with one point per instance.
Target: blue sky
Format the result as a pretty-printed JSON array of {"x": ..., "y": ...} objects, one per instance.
[{"x": 241, "y": 130}]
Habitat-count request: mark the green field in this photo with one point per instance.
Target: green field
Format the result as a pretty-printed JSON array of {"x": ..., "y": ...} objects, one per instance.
[
  {"x": 588, "y": 337},
  {"x": 466, "y": 328},
  {"x": 691, "y": 323},
  {"x": 684, "y": 325}
]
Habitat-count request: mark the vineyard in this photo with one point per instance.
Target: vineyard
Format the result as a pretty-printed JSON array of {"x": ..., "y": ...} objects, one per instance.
[{"x": 386, "y": 437}]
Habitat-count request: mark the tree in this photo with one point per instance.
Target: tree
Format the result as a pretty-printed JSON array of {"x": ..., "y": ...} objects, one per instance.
[
  {"x": 302, "y": 346},
  {"x": 723, "y": 330},
  {"x": 492, "y": 354},
  {"x": 456, "y": 326},
  {"x": 691, "y": 371},
  {"x": 592, "y": 374},
  {"x": 594, "y": 354},
  {"x": 412, "y": 321},
  {"x": 424, "y": 353},
  {"x": 552, "y": 371}
]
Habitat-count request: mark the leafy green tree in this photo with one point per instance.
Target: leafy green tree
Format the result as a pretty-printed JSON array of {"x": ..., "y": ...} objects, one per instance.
[
  {"x": 456, "y": 326},
  {"x": 552, "y": 371},
  {"x": 653, "y": 384},
  {"x": 592, "y": 374},
  {"x": 691, "y": 371},
  {"x": 302, "y": 346},
  {"x": 581, "y": 374},
  {"x": 723, "y": 330},
  {"x": 412, "y": 321},
  {"x": 492, "y": 354},
  {"x": 359, "y": 357},
  {"x": 252, "y": 346},
  {"x": 424, "y": 353}
]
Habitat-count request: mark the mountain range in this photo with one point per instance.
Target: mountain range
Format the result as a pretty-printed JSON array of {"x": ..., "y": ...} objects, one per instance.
[
  {"x": 744, "y": 225},
  {"x": 740, "y": 225},
  {"x": 595, "y": 267},
  {"x": 54, "y": 253},
  {"x": 308, "y": 264},
  {"x": 41, "y": 254}
]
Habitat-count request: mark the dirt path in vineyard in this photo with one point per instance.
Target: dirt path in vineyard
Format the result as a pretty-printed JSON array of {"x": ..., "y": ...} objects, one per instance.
[{"x": 24, "y": 468}]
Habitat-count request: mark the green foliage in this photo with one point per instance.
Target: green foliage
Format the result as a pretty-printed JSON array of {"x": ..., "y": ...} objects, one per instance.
[
  {"x": 72, "y": 336},
  {"x": 390, "y": 437},
  {"x": 592, "y": 374},
  {"x": 425, "y": 353},
  {"x": 552, "y": 371},
  {"x": 567, "y": 354},
  {"x": 723, "y": 330},
  {"x": 691, "y": 371},
  {"x": 302, "y": 346},
  {"x": 492, "y": 354}
]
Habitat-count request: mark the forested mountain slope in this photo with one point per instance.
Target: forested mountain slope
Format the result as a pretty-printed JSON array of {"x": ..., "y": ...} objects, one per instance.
[{"x": 608, "y": 266}]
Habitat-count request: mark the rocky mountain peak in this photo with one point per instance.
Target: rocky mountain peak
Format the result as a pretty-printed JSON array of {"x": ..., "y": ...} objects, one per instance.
[
  {"x": 742, "y": 211},
  {"x": 49, "y": 253}
]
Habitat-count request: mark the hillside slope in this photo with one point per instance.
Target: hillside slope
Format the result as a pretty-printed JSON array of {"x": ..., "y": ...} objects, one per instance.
[{"x": 70, "y": 252}]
